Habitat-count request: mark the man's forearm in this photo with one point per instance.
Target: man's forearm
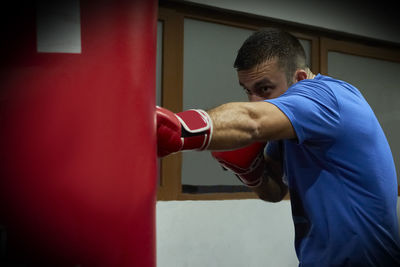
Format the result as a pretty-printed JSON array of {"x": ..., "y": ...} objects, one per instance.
[
  {"x": 233, "y": 126},
  {"x": 241, "y": 123},
  {"x": 272, "y": 189}
]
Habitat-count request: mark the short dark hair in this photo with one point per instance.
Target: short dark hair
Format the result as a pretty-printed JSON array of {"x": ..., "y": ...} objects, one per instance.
[{"x": 269, "y": 43}]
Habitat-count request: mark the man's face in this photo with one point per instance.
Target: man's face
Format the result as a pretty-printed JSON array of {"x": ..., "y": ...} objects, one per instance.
[{"x": 264, "y": 81}]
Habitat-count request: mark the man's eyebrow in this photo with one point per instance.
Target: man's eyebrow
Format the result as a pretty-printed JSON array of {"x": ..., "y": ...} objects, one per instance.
[
  {"x": 259, "y": 83},
  {"x": 262, "y": 82}
]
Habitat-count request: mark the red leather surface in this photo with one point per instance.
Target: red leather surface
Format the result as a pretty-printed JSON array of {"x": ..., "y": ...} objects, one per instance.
[
  {"x": 242, "y": 159},
  {"x": 77, "y": 139},
  {"x": 168, "y": 132},
  {"x": 193, "y": 121}
]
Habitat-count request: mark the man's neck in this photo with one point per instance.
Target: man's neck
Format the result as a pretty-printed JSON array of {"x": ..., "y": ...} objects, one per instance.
[{"x": 310, "y": 75}]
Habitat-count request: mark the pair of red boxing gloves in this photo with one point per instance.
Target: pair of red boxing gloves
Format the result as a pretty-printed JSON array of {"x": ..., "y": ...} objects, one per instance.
[{"x": 192, "y": 130}]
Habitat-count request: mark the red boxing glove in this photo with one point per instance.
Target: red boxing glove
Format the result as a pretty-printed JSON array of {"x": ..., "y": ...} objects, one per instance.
[
  {"x": 247, "y": 162},
  {"x": 187, "y": 130}
]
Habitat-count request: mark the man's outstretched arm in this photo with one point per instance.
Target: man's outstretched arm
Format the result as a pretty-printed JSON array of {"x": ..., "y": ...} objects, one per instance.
[{"x": 228, "y": 126}]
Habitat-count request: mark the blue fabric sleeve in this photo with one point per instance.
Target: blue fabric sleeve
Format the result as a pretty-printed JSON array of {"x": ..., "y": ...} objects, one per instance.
[
  {"x": 312, "y": 108},
  {"x": 272, "y": 150}
]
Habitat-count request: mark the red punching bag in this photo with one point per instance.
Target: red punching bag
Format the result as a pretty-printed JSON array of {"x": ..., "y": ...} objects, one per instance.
[{"x": 77, "y": 139}]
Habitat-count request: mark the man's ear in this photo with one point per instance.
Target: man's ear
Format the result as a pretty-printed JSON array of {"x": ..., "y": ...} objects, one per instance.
[{"x": 300, "y": 75}]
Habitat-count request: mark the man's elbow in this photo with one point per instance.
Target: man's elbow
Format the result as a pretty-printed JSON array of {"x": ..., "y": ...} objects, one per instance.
[
  {"x": 273, "y": 196},
  {"x": 270, "y": 198}
]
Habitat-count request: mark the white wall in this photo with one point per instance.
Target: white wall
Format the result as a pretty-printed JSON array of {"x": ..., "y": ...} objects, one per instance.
[
  {"x": 234, "y": 233},
  {"x": 242, "y": 233},
  {"x": 364, "y": 18}
]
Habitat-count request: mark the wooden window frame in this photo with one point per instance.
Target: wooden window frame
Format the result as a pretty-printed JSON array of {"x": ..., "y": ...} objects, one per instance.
[
  {"x": 172, "y": 14},
  {"x": 357, "y": 49},
  {"x": 171, "y": 96}
]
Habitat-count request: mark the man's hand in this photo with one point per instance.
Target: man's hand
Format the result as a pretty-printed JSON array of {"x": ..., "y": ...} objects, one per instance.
[
  {"x": 247, "y": 163},
  {"x": 187, "y": 130}
]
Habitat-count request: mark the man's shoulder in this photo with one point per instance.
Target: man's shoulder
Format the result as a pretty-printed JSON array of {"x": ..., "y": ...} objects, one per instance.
[
  {"x": 317, "y": 89},
  {"x": 324, "y": 87}
]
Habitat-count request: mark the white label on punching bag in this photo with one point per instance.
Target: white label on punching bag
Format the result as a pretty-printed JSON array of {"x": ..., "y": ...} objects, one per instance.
[{"x": 58, "y": 26}]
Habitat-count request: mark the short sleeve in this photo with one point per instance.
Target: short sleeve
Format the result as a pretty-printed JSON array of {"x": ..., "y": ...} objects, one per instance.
[{"x": 312, "y": 108}]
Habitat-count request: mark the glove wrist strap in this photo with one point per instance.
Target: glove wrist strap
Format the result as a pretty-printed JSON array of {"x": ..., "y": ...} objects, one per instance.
[{"x": 196, "y": 129}]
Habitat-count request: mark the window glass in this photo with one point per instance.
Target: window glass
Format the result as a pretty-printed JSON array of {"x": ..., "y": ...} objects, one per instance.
[{"x": 209, "y": 80}]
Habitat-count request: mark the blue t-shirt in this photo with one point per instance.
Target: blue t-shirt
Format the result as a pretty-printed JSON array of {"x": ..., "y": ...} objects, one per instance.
[{"x": 341, "y": 177}]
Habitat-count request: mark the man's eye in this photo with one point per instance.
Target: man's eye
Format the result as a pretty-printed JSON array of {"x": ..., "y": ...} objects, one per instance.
[{"x": 262, "y": 90}]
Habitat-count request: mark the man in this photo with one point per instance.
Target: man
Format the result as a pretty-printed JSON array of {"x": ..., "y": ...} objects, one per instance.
[{"x": 333, "y": 155}]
